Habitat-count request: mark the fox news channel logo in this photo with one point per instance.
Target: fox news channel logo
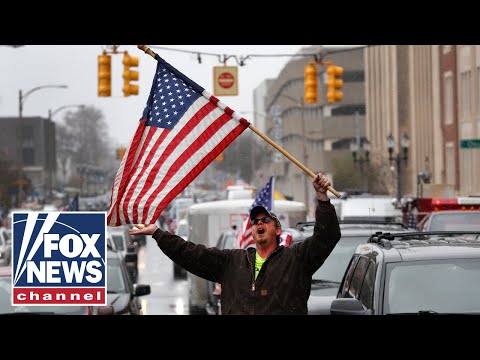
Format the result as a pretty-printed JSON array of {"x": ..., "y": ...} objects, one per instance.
[{"x": 59, "y": 258}]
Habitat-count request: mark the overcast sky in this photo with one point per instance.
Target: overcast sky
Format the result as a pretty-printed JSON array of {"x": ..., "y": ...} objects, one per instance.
[{"x": 76, "y": 66}]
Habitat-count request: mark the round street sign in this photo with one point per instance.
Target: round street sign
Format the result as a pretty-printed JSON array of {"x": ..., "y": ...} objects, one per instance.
[{"x": 226, "y": 80}]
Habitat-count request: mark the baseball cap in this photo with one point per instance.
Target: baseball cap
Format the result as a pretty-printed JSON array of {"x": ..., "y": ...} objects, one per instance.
[{"x": 261, "y": 210}]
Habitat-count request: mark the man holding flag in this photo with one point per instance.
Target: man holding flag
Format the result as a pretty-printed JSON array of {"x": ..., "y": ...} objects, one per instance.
[{"x": 269, "y": 279}]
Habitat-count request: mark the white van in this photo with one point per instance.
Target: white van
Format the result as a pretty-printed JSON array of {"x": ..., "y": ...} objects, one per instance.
[
  {"x": 208, "y": 220},
  {"x": 370, "y": 207}
]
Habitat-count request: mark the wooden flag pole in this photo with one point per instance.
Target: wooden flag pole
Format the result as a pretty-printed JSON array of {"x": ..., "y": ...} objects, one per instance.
[
  {"x": 264, "y": 137},
  {"x": 147, "y": 50}
]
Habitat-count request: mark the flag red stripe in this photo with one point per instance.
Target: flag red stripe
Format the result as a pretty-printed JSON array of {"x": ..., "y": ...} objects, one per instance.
[
  {"x": 150, "y": 156},
  {"x": 126, "y": 170},
  {"x": 197, "y": 170}
]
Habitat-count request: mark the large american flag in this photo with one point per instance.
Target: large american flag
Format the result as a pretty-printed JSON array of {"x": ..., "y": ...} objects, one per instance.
[
  {"x": 265, "y": 198},
  {"x": 182, "y": 130}
]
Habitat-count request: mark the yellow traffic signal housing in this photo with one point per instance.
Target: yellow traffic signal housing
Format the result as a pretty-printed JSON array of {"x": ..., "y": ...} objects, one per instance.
[
  {"x": 310, "y": 83},
  {"x": 121, "y": 152},
  {"x": 104, "y": 75},
  {"x": 334, "y": 83},
  {"x": 130, "y": 75}
]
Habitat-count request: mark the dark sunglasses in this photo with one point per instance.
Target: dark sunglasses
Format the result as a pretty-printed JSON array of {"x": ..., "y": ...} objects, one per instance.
[{"x": 265, "y": 220}]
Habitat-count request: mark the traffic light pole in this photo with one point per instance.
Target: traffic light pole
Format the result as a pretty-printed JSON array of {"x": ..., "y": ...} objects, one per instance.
[{"x": 304, "y": 150}]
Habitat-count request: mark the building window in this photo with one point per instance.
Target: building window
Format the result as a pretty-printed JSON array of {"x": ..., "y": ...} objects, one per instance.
[
  {"x": 450, "y": 163},
  {"x": 448, "y": 98},
  {"x": 465, "y": 93}
]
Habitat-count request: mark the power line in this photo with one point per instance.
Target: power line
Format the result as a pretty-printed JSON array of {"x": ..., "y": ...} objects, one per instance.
[{"x": 240, "y": 59}]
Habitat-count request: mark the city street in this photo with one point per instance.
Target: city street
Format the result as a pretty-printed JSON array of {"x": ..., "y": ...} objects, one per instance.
[{"x": 168, "y": 296}]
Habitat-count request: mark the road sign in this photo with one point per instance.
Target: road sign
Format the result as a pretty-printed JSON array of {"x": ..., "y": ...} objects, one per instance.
[
  {"x": 470, "y": 144},
  {"x": 225, "y": 80}
]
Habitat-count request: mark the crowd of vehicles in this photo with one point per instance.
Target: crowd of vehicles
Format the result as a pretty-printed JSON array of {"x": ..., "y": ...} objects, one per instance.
[{"x": 392, "y": 258}]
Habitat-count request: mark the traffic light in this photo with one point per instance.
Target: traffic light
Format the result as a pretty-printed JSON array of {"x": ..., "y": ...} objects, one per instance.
[
  {"x": 104, "y": 75},
  {"x": 121, "y": 152},
  {"x": 334, "y": 83},
  {"x": 310, "y": 81},
  {"x": 129, "y": 75},
  {"x": 219, "y": 158}
]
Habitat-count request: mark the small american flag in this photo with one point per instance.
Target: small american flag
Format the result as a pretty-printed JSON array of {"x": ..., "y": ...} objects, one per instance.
[
  {"x": 182, "y": 130},
  {"x": 264, "y": 198}
]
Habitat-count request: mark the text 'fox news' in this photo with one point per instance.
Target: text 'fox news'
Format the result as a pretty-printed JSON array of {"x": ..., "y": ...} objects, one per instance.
[{"x": 59, "y": 258}]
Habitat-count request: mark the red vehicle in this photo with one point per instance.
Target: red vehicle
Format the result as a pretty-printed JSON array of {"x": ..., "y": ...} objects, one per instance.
[{"x": 421, "y": 207}]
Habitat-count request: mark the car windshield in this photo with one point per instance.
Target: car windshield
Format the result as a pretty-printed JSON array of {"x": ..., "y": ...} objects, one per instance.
[
  {"x": 115, "y": 279},
  {"x": 443, "y": 286},
  {"x": 334, "y": 267},
  {"x": 6, "y": 306},
  {"x": 464, "y": 221},
  {"x": 118, "y": 240}
]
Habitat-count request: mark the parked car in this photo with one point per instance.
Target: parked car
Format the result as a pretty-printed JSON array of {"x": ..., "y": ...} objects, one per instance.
[
  {"x": 412, "y": 273},
  {"x": 124, "y": 245},
  {"x": 122, "y": 294},
  {"x": 182, "y": 231},
  {"x": 451, "y": 220},
  {"x": 5, "y": 246},
  {"x": 6, "y": 306},
  {"x": 326, "y": 280}
]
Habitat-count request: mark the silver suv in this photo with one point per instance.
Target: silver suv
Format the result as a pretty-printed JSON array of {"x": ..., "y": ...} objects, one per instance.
[
  {"x": 412, "y": 273},
  {"x": 326, "y": 280}
]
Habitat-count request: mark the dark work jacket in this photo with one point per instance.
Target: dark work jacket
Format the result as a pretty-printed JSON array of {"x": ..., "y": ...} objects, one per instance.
[{"x": 284, "y": 281}]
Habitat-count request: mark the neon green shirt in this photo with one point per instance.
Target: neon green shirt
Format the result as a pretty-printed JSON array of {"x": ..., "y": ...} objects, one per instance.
[{"x": 258, "y": 264}]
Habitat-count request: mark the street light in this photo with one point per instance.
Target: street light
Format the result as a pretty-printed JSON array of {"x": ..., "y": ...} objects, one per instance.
[
  {"x": 21, "y": 100},
  {"x": 360, "y": 149},
  {"x": 404, "y": 144},
  {"x": 51, "y": 113},
  {"x": 300, "y": 103}
]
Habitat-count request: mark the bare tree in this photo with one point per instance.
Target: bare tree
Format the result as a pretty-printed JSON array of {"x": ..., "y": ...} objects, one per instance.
[
  {"x": 90, "y": 143},
  {"x": 243, "y": 156},
  {"x": 86, "y": 144}
]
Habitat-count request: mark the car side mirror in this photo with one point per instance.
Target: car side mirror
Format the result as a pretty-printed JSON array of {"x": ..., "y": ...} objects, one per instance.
[
  {"x": 141, "y": 289},
  {"x": 347, "y": 306}
]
